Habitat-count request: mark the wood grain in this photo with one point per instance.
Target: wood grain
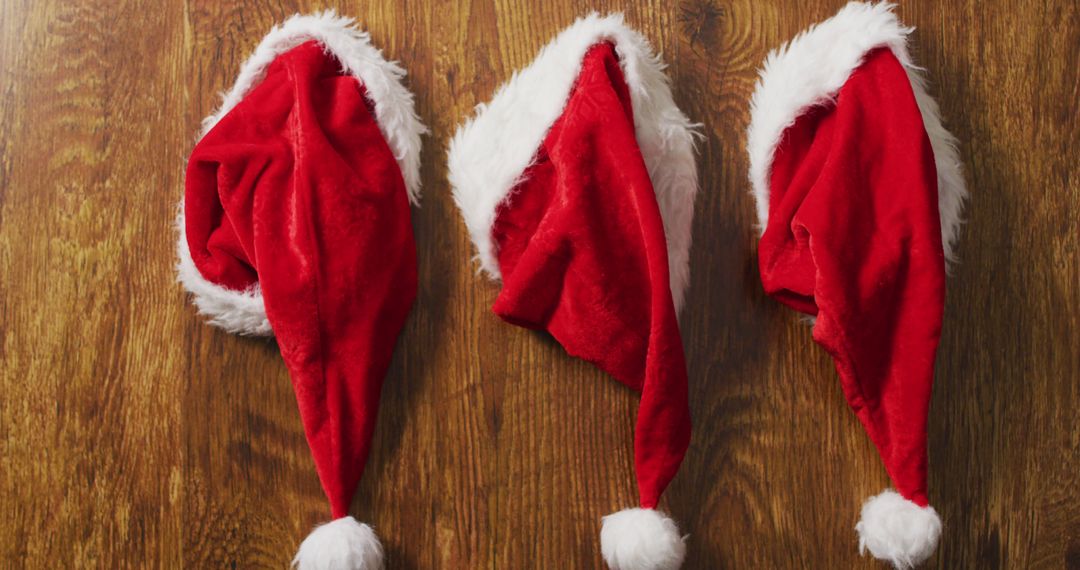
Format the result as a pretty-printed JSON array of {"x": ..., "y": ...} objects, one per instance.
[{"x": 134, "y": 436}]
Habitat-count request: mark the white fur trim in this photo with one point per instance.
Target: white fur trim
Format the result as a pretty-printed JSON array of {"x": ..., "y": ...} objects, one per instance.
[
  {"x": 344, "y": 544},
  {"x": 238, "y": 312},
  {"x": 394, "y": 111},
  {"x": 897, "y": 530},
  {"x": 641, "y": 539},
  {"x": 243, "y": 311},
  {"x": 491, "y": 151},
  {"x": 810, "y": 69}
]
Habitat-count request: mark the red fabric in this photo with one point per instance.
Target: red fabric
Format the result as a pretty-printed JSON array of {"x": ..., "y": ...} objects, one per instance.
[
  {"x": 297, "y": 190},
  {"x": 583, "y": 256},
  {"x": 854, "y": 238}
]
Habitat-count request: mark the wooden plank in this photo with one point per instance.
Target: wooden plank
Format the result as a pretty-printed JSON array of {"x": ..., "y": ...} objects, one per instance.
[{"x": 132, "y": 435}]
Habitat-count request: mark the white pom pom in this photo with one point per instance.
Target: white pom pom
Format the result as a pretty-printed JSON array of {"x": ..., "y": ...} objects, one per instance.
[
  {"x": 344, "y": 544},
  {"x": 897, "y": 530},
  {"x": 641, "y": 539}
]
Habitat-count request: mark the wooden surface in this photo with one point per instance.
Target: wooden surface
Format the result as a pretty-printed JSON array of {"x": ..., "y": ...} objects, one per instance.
[{"x": 132, "y": 435}]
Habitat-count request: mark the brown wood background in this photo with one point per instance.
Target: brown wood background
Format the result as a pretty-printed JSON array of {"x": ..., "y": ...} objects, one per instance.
[{"x": 134, "y": 436}]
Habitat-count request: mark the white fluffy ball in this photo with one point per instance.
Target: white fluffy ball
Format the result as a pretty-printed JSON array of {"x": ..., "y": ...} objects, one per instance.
[
  {"x": 897, "y": 530},
  {"x": 344, "y": 544},
  {"x": 641, "y": 539}
]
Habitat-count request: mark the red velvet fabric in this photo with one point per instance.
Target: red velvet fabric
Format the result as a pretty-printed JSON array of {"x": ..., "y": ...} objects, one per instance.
[
  {"x": 295, "y": 189},
  {"x": 583, "y": 256},
  {"x": 854, "y": 238}
]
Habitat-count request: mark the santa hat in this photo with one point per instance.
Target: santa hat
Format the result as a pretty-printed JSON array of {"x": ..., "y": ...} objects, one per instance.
[
  {"x": 295, "y": 223},
  {"x": 577, "y": 183},
  {"x": 859, "y": 192}
]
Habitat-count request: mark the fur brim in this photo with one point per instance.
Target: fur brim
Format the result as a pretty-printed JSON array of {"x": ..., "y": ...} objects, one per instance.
[
  {"x": 812, "y": 68},
  {"x": 243, "y": 312},
  {"x": 491, "y": 151}
]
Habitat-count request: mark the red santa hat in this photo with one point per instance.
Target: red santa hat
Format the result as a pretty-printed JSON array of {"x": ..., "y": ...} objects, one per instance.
[
  {"x": 577, "y": 183},
  {"x": 859, "y": 193},
  {"x": 295, "y": 223}
]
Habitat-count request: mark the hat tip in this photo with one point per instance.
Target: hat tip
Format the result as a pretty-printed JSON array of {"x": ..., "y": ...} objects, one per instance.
[
  {"x": 897, "y": 530},
  {"x": 641, "y": 539},
  {"x": 342, "y": 544}
]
